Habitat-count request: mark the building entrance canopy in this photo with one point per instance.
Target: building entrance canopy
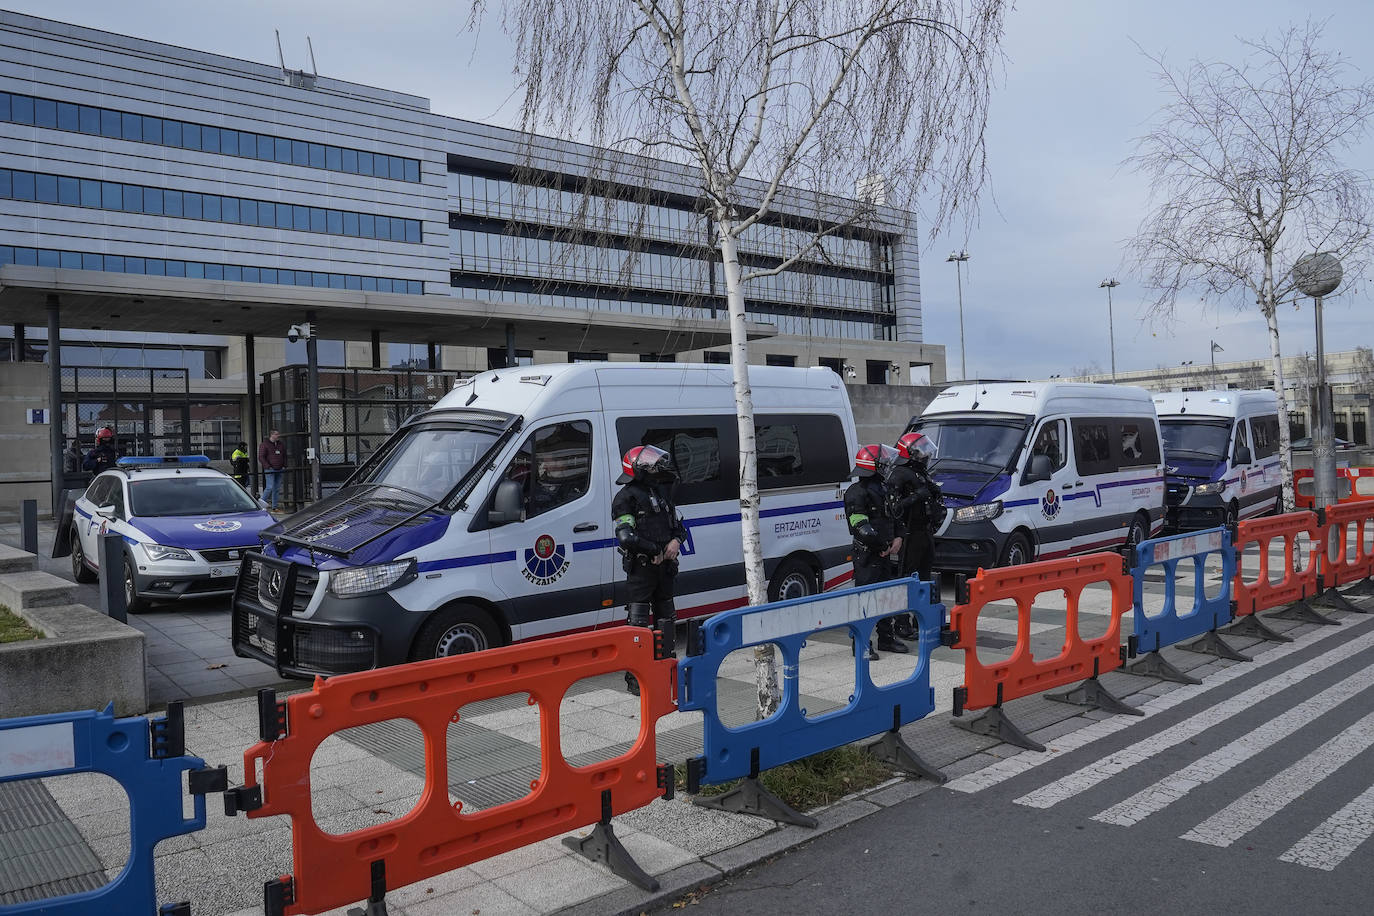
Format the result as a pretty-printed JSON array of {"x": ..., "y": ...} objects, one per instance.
[{"x": 137, "y": 302}]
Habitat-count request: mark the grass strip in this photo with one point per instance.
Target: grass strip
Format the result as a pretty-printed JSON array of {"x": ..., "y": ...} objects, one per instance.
[
  {"x": 14, "y": 628},
  {"x": 813, "y": 781}
]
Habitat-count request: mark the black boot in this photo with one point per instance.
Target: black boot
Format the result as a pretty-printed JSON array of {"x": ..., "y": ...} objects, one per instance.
[
  {"x": 891, "y": 643},
  {"x": 902, "y": 627},
  {"x": 872, "y": 653},
  {"x": 631, "y": 684}
]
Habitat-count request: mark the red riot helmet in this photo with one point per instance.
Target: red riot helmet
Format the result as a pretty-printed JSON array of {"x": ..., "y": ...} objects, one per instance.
[
  {"x": 870, "y": 459},
  {"x": 648, "y": 463},
  {"x": 916, "y": 447},
  {"x": 104, "y": 435}
]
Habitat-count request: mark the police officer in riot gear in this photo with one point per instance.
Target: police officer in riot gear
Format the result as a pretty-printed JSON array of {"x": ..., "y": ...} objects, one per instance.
[
  {"x": 877, "y": 533},
  {"x": 104, "y": 455},
  {"x": 649, "y": 533},
  {"x": 914, "y": 497}
]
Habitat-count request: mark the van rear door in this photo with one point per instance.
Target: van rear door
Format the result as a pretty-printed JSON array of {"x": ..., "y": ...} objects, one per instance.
[{"x": 554, "y": 567}]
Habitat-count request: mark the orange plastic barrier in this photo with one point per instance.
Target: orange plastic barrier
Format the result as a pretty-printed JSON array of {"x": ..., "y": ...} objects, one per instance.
[
  {"x": 1348, "y": 557},
  {"x": 436, "y": 837},
  {"x": 1353, "y": 485},
  {"x": 1263, "y": 594},
  {"x": 988, "y": 686}
]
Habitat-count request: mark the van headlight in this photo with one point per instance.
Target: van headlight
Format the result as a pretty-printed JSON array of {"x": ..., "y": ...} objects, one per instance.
[
  {"x": 979, "y": 513},
  {"x": 367, "y": 580},
  {"x": 157, "y": 553},
  {"x": 1209, "y": 489}
]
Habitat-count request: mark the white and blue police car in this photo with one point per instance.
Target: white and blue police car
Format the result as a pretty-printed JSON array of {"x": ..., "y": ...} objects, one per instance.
[{"x": 185, "y": 527}]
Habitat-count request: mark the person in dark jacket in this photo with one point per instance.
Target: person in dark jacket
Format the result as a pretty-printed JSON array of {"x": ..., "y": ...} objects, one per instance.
[
  {"x": 649, "y": 533},
  {"x": 877, "y": 533},
  {"x": 272, "y": 458},
  {"x": 914, "y": 497},
  {"x": 104, "y": 455}
]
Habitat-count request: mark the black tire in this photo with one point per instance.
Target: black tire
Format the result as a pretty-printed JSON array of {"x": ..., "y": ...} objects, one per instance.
[
  {"x": 455, "y": 630},
  {"x": 133, "y": 603},
  {"x": 1138, "y": 531},
  {"x": 1232, "y": 515},
  {"x": 1016, "y": 551},
  {"x": 794, "y": 578},
  {"x": 80, "y": 571}
]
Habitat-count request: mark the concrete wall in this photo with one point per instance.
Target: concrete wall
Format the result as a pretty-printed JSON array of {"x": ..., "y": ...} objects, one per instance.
[
  {"x": 882, "y": 412},
  {"x": 25, "y": 451}
]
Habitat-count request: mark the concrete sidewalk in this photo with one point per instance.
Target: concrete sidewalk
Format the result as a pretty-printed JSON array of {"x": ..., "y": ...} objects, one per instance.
[{"x": 374, "y": 774}]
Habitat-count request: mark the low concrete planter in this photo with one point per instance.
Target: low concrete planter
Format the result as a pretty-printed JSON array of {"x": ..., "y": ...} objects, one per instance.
[{"x": 85, "y": 660}]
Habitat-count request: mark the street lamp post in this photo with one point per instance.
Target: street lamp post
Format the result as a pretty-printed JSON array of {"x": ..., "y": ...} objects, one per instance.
[
  {"x": 959, "y": 257},
  {"x": 1318, "y": 275},
  {"x": 1110, "y": 285}
]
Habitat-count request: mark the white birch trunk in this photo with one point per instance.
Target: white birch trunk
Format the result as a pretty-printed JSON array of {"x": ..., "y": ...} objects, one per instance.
[
  {"x": 765, "y": 662},
  {"x": 1271, "y": 316}
]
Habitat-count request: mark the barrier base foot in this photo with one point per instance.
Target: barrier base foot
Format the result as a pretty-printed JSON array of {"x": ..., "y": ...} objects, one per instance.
[
  {"x": 1362, "y": 589},
  {"x": 1211, "y": 643},
  {"x": 1154, "y": 664},
  {"x": 892, "y": 750},
  {"x": 1092, "y": 693},
  {"x": 995, "y": 724},
  {"x": 750, "y": 797},
  {"x": 602, "y": 845},
  {"x": 373, "y": 908},
  {"x": 1334, "y": 600},
  {"x": 1303, "y": 612},
  {"x": 1250, "y": 625}
]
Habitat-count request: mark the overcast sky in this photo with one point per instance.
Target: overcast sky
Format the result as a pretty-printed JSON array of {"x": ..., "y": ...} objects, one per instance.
[{"x": 1076, "y": 93}]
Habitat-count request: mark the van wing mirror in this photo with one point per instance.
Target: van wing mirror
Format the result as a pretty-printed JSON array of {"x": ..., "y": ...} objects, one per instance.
[
  {"x": 508, "y": 505},
  {"x": 1242, "y": 455},
  {"x": 1040, "y": 468}
]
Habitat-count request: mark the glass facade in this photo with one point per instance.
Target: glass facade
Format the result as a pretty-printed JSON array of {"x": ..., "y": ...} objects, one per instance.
[
  {"x": 201, "y": 270},
  {"x": 545, "y": 245},
  {"x": 17, "y": 184},
  {"x": 125, "y": 125}
]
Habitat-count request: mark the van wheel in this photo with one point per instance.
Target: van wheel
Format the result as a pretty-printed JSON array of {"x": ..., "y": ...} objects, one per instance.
[
  {"x": 80, "y": 571},
  {"x": 1232, "y": 515},
  {"x": 1015, "y": 551},
  {"x": 454, "y": 631},
  {"x": 793, "y": 579},
  {"x": 1138, "y": 532}
]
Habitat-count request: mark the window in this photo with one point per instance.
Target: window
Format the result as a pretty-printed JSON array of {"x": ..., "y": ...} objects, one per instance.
[
  {"x": 1050, "y": 443},
  {"x": 704, "y": 448},
  {"x": 587, "y": 357},
  {"x": 1265, "y": 431},
  {"x": 779, "y": 451},
  {"x": 1132, "y": 450},
  {"x": 1092, "y": 445},
  {"x": 695, "y": 451},
  {"x": 778, "y": 359},
  {"x": 713, "y": 358},
  {"x": 1242, "y": 442},
  {"x": 496, "y": 357},
  {"x": 876, "y": 371},
  {"x": 553, "y": 467}
]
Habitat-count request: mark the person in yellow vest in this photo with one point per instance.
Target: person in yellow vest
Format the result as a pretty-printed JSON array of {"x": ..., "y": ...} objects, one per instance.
[{"x": 238, "y": 464}]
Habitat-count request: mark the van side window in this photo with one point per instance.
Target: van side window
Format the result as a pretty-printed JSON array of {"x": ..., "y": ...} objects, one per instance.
[
  {"x": 796, "y": 450},
  {"x": 554, "y": 466},
  {"x": 1241, "y": 441},
  {"x": 1050, "y": 443},
  {"x": 1139, "y": 444},
  {"x": 779, "y": 450},
  {"x": 1265, "y": 431},
  {"x": 696, "y": 452},
  {"x": 1092, "y": 447}
]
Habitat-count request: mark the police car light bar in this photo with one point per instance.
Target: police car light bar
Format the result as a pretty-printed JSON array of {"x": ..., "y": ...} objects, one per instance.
[{"x": 160, "y": 461}]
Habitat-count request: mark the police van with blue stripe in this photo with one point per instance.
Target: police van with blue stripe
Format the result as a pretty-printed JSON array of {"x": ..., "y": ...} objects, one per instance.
[
  {"x": 1221, "y": 456},
  {"x": 1035, "y": 471},
  {"x": 185, "y": 527},
  {"x": 487, "y": 519}
]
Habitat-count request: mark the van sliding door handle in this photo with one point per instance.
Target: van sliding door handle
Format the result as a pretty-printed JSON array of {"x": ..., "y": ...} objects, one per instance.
[{"x": 585, "y": 526}]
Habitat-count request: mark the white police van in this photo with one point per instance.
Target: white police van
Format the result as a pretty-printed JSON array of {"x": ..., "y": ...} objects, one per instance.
[
  {"x": 487, "y": 520},
  {"x": 1221, "y": 456},
  {"x": 1042, "y": 470},
  {"x": 186, "y": 527}
]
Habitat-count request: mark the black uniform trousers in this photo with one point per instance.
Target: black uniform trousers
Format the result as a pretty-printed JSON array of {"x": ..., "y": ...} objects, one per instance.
[{"x": 870, "y": 569}]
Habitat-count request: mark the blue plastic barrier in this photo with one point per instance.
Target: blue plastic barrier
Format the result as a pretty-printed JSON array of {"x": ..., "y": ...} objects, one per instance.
[
  {"x": 788, "y": 735},
  {"x": 1173, "y": 625},
  {"x": 147, "y": 759}
]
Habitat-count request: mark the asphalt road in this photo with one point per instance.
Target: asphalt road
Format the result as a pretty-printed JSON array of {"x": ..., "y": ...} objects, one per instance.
[{"x": 1255, "y": 796}]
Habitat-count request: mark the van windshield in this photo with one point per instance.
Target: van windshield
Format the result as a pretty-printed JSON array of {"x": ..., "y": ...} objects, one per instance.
[
  {"x": 1197, "y": 438},
  {"x": 980, "y": 444},
  {"x": 431, "y": 461}
]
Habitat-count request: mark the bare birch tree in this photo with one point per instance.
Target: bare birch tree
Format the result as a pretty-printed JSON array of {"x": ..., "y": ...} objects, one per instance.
[
  {"x": 1246, "y": 172},
  {"x": 837, "y": 111}
]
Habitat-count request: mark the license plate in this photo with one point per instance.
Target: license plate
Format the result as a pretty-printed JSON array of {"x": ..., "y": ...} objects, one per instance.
[{"x": 227, "y": 570}]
